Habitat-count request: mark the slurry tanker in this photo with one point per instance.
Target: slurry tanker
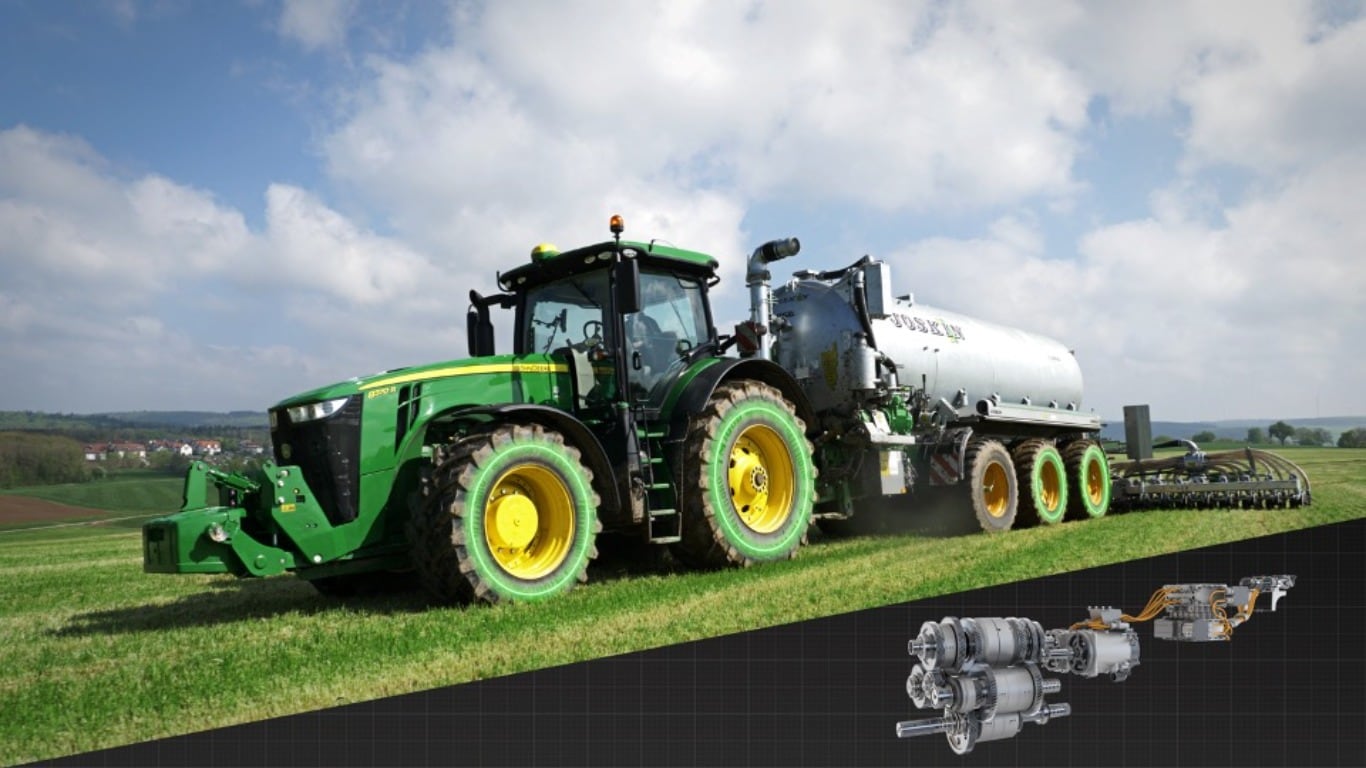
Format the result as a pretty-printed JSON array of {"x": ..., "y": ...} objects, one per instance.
[{"x": 622, "y": 411}]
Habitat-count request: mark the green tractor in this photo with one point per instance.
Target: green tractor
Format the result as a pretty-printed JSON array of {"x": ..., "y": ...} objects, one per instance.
[{"x": 491, "y": 478}]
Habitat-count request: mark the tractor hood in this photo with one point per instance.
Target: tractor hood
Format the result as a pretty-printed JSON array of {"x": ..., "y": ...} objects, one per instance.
[{"x": 376, "y": 383}]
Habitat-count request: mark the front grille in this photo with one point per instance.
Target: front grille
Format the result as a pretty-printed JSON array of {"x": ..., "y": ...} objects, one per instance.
[{"x": 327, "y": 450}]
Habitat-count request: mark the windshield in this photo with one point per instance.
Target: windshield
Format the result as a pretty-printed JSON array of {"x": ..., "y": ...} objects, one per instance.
[{"x": 566, "y": 312}]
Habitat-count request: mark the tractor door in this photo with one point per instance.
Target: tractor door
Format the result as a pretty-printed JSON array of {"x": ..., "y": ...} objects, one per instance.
[
  {"x": 568, "y": 317},
  {"x": 671, "y": 322}
]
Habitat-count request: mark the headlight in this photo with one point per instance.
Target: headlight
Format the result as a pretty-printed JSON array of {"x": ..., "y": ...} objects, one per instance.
[{"x": 315, "y": 411}]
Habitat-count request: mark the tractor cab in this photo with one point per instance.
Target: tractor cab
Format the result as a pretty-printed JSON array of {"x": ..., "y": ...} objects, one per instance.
[{"x": 616, "y": 311}]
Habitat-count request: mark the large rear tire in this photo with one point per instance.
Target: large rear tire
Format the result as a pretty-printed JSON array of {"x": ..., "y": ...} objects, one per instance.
[
  {"x": 747, "y": 482},
  {"x": 1042, "y": 481},
  {"x": 992, "y": 484},
  {"x": 509, "y": 514},
  {"x": 1088, "y": 478}
]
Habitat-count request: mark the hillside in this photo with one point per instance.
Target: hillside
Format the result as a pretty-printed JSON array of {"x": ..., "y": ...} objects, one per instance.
[
  {"x": 1232, "y": 429},
  {"x": 97, "y": 422}
]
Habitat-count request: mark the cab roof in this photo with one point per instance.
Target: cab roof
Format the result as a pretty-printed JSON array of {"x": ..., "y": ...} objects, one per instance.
[{"x": 593, "y": 257}]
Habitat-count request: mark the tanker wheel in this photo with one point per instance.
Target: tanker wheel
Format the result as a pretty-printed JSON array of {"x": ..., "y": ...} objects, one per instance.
[
  {"x": 1088, "y": 479},
  {"x": 1042, "y": 481},
  {"x": 509, "y": 514},
  {"x": 747, "y": 480},
  {"x": 991, "y": 481}
]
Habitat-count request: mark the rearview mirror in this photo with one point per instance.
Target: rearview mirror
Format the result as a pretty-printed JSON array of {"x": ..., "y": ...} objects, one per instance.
[{"x": 626, "y": 282}]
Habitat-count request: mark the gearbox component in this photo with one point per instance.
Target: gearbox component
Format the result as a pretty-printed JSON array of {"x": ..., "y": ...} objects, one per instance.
[{"x": 990, "y": 676}]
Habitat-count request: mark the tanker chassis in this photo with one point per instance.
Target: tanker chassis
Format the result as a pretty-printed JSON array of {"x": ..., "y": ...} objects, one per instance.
[{"x": 622, "y": 411}]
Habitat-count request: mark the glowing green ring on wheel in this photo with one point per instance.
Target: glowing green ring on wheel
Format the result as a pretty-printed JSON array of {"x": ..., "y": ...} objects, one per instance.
[
  {"x": 734, "y": 424},
  {"x": 487, "y": 563},
  {"x": 1048, "y": 486},
  {"x": 1093, "y": 481}
]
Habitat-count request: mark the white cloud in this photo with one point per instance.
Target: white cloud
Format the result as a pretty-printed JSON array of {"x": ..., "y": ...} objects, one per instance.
[
  {"x": 321, "y": 249},
  {"x": 533, "y": 122},
  {"x": 139, "y": 292},
  {"x": 1260, "y": 315},
  {"x": 316, "y": 24},
  {"x": 527, "y": 122},
  {"x": 1265, "y": 86}
]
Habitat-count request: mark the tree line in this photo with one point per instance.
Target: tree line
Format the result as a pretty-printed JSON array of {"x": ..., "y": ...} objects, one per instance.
[
  {"x": 1282, "y": 432},
  {"x": 99, "y": 428},
  {"x": 28, "y": 458}
]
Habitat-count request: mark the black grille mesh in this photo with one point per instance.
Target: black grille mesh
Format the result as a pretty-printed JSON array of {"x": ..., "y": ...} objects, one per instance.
[{"x": 327, "y": 451}]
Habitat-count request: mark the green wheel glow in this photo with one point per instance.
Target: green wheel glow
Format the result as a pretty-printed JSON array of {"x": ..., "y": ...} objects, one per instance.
[
  {"x": 748, "y": 481},
  {"x": 1088, "y": 480},
  {"x": 507, "y": 515},
  {"x": 1042, "y": 480}
]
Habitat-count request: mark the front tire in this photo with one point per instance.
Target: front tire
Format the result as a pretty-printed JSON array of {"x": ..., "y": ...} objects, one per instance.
[
  {"x": 509, "y": 514},
  {"x": 747, "y": 482}
]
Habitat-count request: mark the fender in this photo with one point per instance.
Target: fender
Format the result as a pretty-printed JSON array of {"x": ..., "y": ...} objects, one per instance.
[
  {"x": 698, "y": 391},
  {"x": 575, "y": 431}
]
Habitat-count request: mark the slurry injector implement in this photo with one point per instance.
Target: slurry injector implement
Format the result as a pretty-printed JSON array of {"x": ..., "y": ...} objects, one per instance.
[
  {"x": 987, "y": 674},
  {"x": 1244, "y": 479}
]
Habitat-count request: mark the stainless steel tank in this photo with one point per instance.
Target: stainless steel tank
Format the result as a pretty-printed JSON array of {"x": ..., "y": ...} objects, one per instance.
[{"x": 962, "y": 360}]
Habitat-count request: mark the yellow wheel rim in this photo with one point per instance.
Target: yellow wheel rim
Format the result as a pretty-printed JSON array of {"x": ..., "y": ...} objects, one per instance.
[
  {"x": 1095, "y": 482},
  {"x": 529, "y": 521},
  {"x": 761, "y": 478},
  {"x": 995, "y": 489},
  {"x": 1050, "y": 487}
]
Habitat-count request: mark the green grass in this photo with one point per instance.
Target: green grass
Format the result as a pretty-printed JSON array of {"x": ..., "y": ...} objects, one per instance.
[
  {"x": 93, "y": 653},
  {"x": 134, "y": 492}
]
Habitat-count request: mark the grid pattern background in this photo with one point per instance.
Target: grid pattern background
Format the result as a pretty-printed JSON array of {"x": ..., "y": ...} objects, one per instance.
[{"x": 1290, "y": 689}]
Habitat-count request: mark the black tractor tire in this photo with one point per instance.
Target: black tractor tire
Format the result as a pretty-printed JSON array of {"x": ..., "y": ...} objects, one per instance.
[
  {"x": 508, "y": 514},
  {"x": 1041, "y": 477},
  {"x": 992, "y": 485},
  {"x": 1088, "y": 480},
  {"x": 746, "y": 479}
]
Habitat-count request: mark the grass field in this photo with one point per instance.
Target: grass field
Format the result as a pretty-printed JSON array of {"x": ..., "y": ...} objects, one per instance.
[
  {"x": 94, "y": 653},
  {"x": 133, "y": 492}
]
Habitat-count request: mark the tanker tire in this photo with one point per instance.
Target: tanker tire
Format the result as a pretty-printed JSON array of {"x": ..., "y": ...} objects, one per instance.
[
  {"x": 744, "y": 447},
  {"x": 991, "y": 481},
  {"x": 463, "y": 531},
  {"x": 1041, "y": 477},
  {"x": 1088, "y": 480}
]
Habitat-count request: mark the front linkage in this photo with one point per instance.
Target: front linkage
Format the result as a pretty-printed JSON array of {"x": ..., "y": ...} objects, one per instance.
[{"x": 260, "y": 524}]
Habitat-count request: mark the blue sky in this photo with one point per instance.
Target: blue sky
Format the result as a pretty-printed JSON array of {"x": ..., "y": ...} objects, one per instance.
[{"x": 215, "y": 205}]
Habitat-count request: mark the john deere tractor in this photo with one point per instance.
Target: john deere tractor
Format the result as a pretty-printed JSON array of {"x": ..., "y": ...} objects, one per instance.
[{"x": 490, "y": 478}]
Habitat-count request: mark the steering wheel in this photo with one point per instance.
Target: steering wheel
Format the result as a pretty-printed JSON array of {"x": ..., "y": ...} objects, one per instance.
[{"x": 596, "y": 332}]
